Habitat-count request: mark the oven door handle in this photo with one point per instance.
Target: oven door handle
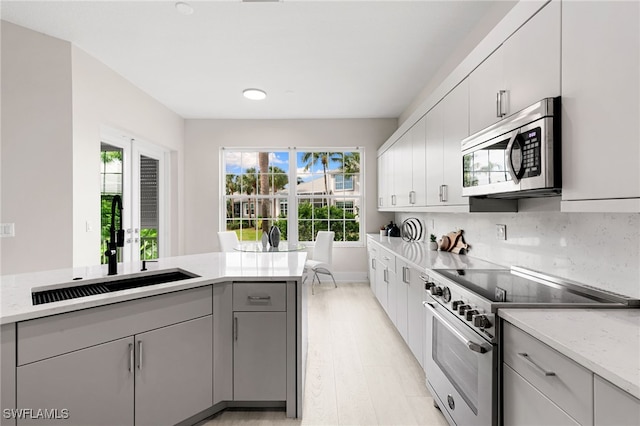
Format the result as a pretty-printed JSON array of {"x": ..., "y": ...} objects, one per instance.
[{"x": 473, "y": 346}]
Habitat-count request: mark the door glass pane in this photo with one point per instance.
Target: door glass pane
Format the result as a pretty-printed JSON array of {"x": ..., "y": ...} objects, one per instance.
[
  {"x": 149, "y": 211},
  {"x": 111, "y": 173},
  {"x": 457, "y": 362}
]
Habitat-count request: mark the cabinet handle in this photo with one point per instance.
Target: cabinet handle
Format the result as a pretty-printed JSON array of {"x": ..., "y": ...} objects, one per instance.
[
  {"x": 386, "y": 258},
  {"x": 444, "y": 191},
  {"x": 258, "y": 298},
  {"x": 393, "y": 200},
  {"x": 130, "y": 356},
  {"x": 139, "y": 354},
  {"x": 412, "y": 197},
  {"x": 235, "y": 328},
  {"x": 499, "y": 109},
  {"x": 405, "y": 275},
  {"x": 385, "y": 276},
  {"x": 373, "y": 264},
  {"x": 528, "y": 359},
  {"x": 380, "y": 202}
]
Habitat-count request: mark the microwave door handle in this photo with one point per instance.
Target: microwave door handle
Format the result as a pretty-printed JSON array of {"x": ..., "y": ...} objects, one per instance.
[
  {"x": 473, "y": 346},
  {"x": 515, "y": 176}
]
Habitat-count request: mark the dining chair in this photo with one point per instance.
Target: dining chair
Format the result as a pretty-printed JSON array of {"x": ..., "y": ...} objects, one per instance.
[
  {"x": 320, "y": 262},
  {"x": 228, "y": 240}
]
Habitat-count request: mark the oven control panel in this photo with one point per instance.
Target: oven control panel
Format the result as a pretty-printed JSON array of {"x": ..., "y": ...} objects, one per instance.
[{"x": 469, "y": 307}]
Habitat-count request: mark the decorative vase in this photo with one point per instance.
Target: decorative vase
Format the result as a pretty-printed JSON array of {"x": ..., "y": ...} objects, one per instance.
[
  {"x": 265, "y": 240},
  {"x": 274, "y": 236},
  {"x": 433, "y": 245}
]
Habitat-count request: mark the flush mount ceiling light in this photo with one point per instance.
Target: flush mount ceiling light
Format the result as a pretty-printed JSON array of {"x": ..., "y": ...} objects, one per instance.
[
  {"x": 184, "y": 8},
  {"x": 254, "y": 94}
]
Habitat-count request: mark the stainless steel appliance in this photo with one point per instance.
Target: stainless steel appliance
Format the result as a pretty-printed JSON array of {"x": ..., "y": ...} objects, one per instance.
[
  {"x": 462, "y": 331},
  {"x": 517, "y": 157}
]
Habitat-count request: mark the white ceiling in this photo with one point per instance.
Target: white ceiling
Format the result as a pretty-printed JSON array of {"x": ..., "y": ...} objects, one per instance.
[{"x": 321, "y": 59}]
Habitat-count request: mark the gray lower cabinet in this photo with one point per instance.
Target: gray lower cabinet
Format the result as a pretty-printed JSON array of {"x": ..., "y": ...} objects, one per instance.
[
  {"x": 525, "y": 405},
  {"x": 260, "y": 356},
  {"x": 174, "y": 372},
  {"x": 613, "y": 406},
  {"x": 95, "y": 385}
]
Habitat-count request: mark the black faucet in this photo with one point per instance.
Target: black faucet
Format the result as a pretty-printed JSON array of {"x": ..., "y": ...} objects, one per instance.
[{"x": 116, "y": 236}]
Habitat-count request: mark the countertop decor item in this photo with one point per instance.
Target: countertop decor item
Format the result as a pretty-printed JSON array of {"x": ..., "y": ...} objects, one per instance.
[
  {"x": 265, "y": 239},
  {"x": 274, "y": 236},
  {"x": 454, "y": 242},
  {"x": 433, "y": 244},
  {"x": 411, "y": 229},
  {"x": 394, "y": 231}
]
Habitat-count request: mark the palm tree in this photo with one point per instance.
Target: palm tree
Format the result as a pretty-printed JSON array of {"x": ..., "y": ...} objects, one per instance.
[
  {"x": 324, "y": 158},
  {"x": 231, "y": 187},
  {"x": 249, "y": 186},
  {"x": 350, "y": 162},
  {"x": 263, "y": 163}
]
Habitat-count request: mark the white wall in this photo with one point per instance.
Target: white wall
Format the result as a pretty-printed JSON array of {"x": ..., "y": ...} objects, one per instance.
[
  {"x": 36, "y": 151},
  {"x": 204, "y": 138},
  {"x": 102, "y": 97},
  {"x": 55, "y": 101},
  {"x": 597, "y": 249}
]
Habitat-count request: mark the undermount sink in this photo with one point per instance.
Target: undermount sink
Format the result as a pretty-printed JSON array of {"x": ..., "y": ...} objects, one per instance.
[{"x": 109, "y": 285}]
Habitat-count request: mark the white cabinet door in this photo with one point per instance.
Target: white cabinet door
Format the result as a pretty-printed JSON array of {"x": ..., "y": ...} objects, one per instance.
[
  {"x": 372, "y": 268},
  {"x": 174, "y": 378},
  {"x": 525, "y": 69},
  {"x": 415, "y": 315},
  {"x": 381, "y": 284},
  {"x": 613, "y": 406},
  {"x": 402, "y": 297},
  {"x": 532, "y": 60},
  {"x": 455, "y": 127},
  {"x": 601, "y": 106},
  {"x": 386, "y": 179},
  {"x": 484, "y": 84},
  {"x": 95, "y": 385},
  {"x": 260, "y": 356},
  {"x": 402, "y": 178},
  {"x": 418, "y": 196},
  {"x": 434, "y": 153},
  {"x": 392, "y": 295}
]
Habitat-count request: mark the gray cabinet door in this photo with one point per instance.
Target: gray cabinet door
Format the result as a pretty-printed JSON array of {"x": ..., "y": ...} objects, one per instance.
[
  {"x": 95, "y": 385},
  {"x": 260, "y": 356},
  {"x": 174, "y": 372}
]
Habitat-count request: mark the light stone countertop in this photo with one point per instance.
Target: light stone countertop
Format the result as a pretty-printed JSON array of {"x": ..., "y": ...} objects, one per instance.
[
  {"x": 417, "y": 253},
  {"x": 605, "y": 341},
  {"x": 15, "y": 290}
]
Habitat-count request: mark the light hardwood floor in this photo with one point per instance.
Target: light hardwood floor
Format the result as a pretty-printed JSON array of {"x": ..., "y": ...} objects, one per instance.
[{"x": 359, "y": 369}]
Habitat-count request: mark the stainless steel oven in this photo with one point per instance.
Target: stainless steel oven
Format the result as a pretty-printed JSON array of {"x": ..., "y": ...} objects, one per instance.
[
  {"x": 459, "y": 366},
  {"x": 462, "y": 333}
]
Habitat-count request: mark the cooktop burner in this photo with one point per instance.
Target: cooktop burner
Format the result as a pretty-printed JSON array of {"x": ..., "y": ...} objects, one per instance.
[{"x": 507, "y": 286}]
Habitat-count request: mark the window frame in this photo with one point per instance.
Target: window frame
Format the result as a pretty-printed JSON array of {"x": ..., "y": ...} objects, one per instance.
[{"x": 292, "y": 197}]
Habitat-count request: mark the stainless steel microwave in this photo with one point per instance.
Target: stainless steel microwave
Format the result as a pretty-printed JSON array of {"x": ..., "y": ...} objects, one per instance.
[{"x": 518, "y": 157}]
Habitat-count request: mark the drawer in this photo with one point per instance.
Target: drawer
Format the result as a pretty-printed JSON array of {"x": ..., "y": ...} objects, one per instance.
[
  {"x": 259, "y": 296},
  {"x": 563, "y": 381},
  {"x": 387, "y": 258},
  {"x": 58, "y": 334}
]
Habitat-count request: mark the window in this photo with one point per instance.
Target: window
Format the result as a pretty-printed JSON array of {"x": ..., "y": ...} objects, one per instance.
[
  {"x": 326, "y": 194},
  {"x": 344, "y": 182}
]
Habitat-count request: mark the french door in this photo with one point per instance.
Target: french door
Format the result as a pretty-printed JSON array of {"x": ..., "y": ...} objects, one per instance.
[{"x": 136, "y": 171}]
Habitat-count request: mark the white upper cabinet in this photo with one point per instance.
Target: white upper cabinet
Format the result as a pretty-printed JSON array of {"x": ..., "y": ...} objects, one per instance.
[
  {"x": 401, "y": 171},
  {"x": 447, "y": 125},
  {"x": 600, "y": 87},
  {"x": 524, "y": 70}
]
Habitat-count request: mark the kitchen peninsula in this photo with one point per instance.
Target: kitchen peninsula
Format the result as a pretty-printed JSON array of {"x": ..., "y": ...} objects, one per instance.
[{"x": 229, "y": 335}]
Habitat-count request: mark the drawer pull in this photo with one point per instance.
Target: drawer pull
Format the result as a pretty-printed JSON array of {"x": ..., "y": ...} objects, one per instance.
[
  {"x": 139, "y": 354},
  {"x": 259, "y": 298},
  {"x": 528, "y": 359}
]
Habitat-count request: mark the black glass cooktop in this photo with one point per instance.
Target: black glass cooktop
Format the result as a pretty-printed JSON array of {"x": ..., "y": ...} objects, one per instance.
[{"x": 503, "y": 286}]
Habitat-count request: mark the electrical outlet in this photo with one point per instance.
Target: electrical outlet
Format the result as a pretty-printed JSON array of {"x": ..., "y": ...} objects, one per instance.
[
  {"x": 501, "y": 232},
  {"x": 7, "y": 230}
]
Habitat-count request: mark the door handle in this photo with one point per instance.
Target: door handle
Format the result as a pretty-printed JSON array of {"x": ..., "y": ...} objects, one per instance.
[
  {"x": 130, "y": 356},
  {"x": 235, "y": 328},
  {"x": 499, "y": 104},
  {"x": 139, "y": 354},
  {"x": 471, "y": 345}
]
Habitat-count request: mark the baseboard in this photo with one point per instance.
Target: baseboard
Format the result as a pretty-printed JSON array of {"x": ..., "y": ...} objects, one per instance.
[{"x": 346, "y": 277}]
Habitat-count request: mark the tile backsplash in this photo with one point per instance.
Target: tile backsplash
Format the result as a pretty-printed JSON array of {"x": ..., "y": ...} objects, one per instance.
[{"x": 598, "y": 249}]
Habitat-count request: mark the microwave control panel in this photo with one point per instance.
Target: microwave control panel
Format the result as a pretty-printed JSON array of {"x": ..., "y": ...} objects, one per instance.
[{"x": 531, "y": 150}]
